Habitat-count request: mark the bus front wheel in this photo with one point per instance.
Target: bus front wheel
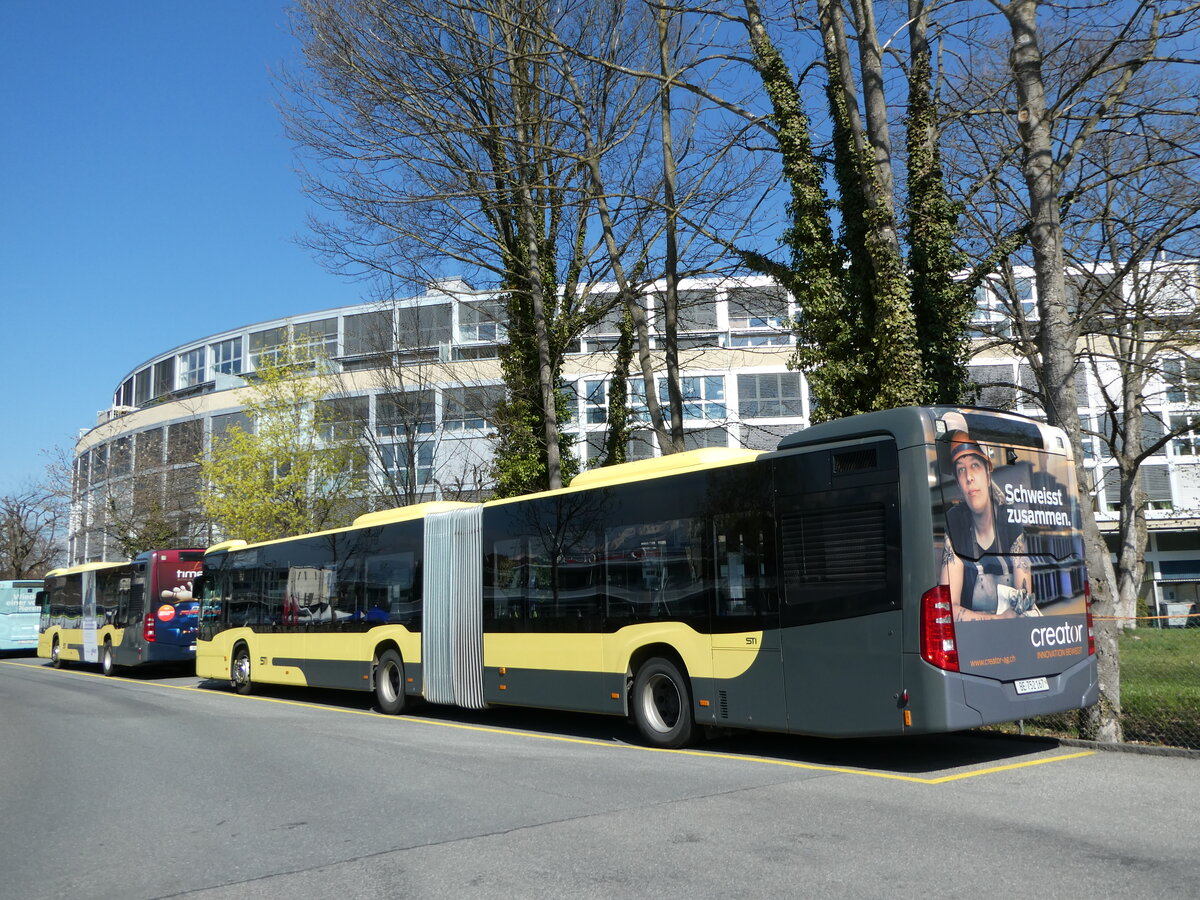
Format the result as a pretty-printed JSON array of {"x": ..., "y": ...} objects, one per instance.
[
  {"x": 389, "y": 683},
  {"x": 107, "y": 666},
  {"x": 662, "y": 705},
  {"x": 239, "y": 670},
  {"x": 56, "y": 654}
]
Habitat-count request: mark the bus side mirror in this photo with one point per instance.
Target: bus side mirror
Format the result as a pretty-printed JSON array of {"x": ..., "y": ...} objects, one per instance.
[
  {"x": 39, "y": 600},
  {"x": 198, "y": 585}
]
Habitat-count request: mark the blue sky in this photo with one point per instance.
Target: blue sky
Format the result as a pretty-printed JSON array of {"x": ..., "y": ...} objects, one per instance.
[{"x": 147, "y": 197}]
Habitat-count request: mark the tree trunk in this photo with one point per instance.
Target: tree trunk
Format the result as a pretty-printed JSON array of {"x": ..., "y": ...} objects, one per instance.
[
  {"x": 1057, "y": 337},
  {"x": 671, "y": 294}
]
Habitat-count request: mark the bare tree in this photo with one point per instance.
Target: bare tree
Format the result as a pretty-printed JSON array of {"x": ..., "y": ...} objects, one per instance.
[
  {"x": 31, "y": 532},
  {"x": 1110, "y": 50},
  {"x": 440, "y": 135}
]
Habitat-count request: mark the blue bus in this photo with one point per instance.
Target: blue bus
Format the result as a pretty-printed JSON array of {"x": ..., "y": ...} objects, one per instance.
[{"x": 19, "y": 615}]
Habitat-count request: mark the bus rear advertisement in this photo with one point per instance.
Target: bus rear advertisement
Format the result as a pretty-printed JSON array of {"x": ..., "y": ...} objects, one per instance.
[
  {"x": 19, "y": 615},
  {"x": 121, "y": 613},
  {"x": 909, "y": 571}
]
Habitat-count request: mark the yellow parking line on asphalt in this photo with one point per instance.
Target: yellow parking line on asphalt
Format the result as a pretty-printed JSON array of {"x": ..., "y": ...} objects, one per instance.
[{"x": 489, "y": 729}]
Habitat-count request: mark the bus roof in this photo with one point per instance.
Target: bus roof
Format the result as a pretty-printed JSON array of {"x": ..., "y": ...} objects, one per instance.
[
  {"x": 645, "y": 469},
  {"x": 366, "y": 520},
  {"x": 639, "y": 470},
  {"x": 86, "y": 567}
]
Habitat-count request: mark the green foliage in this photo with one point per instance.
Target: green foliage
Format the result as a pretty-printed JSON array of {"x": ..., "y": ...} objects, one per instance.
[
  {"x": 942, "y": 305},
  {"x": 282, "y": 478},
  {"x": 874, "y": 330},
  {"x": 620, "y": 420}
]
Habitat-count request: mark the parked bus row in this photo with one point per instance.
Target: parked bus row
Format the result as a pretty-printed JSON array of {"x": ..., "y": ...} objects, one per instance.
[
  {"x": 121, "y": 613},
  {"x": 909, "y": 571}
]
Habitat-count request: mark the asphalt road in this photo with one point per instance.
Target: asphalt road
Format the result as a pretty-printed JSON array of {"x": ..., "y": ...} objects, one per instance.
[{"x": 163, "y": 786}]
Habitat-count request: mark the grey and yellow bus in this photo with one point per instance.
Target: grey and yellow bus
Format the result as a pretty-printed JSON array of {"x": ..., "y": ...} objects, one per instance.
[
  {"x": 121, "y": 614},
  {"x": 909, "y": 571}
]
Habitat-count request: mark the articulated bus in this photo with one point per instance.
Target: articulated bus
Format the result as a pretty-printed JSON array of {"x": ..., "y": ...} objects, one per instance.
[
  {"x": 19, "y": 615},
  {"x": 909, "y": 571},
  {"x": 121, "y": 613}
]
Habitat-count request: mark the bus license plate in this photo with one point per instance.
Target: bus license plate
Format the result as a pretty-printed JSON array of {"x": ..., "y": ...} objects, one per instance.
[{"x": 1032, "y": 685}]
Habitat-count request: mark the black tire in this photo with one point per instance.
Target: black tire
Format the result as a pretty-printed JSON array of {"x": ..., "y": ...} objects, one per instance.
[
  {"x": 389, "y": 683},
  {"x": 662, "y": 705},
  {"x": 239, "y": 670},
  {"x": 107, "y": 666},
  {"x": 56, "y": 659}
]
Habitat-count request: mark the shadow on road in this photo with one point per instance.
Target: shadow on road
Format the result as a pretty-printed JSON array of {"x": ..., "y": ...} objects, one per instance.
[{"x": 916, "y": 755}]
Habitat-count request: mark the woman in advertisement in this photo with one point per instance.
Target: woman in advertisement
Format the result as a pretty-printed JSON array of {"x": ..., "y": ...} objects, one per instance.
[{"x": 985, "y": 562}]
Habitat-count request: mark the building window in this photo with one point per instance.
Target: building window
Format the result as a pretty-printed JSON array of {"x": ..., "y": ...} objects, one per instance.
[
  {"x": 368, "y": 333},
  {"x": 148, "y": 449},
  {"x": 222, "y": 425},
  {"x": 1155, "y": 482},
  {"x": 990, "y": 316},
  {"x": 1187, "y": 439},
  {"x": 469, "y": 407},
  {"x": 481, "y": 322},
  {"x": 191, "y": 367},
  {"x": 266, "y": 347},
  {"x": 184, "y": 441},
  {"x": 610, "y": 322},
  {"x": 595, "y": 401},
  {"x": 399, "y": 460},
  {"x": 769, "y": 396},
  {"x": 405, "y": 412},
  {"x": 703, "y": 396},
  {"x": 757, "y": 308},
  {"x": 227, "y": 357},
  {"x": 141, "y": 387},
  {"x": 99, "y": 463},
  {"x": 1030, "y": 393},
  {"x": 992, "y": 386},
  {"x": 425, "y": 326},
  {"x": 164, "y": 377},
  {"x": 763, "y": 313},
  {"x": 705, "y": 437},
  {"x": 120, "y": 459},
  {"x": 343, "y": 418},
  {"x": 697, "y": 311},
  {"x": 1183, "y": 380},
  {"x": 315, "y": 339}
]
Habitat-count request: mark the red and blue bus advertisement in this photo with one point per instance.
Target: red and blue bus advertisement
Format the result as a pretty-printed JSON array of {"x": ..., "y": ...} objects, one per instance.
[{"x": 163, "y": 579}]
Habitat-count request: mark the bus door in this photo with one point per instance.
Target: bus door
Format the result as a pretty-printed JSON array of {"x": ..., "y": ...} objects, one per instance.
[
  {"x": 746, "y": 639},
  {"x": 839, "y": 527},
  {"x": 91, "y": 646}
]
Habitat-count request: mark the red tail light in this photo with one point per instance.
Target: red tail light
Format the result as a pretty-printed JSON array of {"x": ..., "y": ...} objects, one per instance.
[
  {"x": 937, "y": 629},
  {"x": 148, "y": 627},
  {"x": 1087, "y": 602}
]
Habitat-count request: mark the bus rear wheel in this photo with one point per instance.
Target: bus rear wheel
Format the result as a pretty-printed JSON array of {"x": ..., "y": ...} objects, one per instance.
[
  {"x": 662, "y": 705},
  {"x": 239, "y": 670},
  {"x": 389, "y": 683},
  {"x": 107, "y": 666}
]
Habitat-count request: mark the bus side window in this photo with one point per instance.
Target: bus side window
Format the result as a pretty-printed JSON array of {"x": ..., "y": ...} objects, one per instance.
[{"x": 746, "y": 572}]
